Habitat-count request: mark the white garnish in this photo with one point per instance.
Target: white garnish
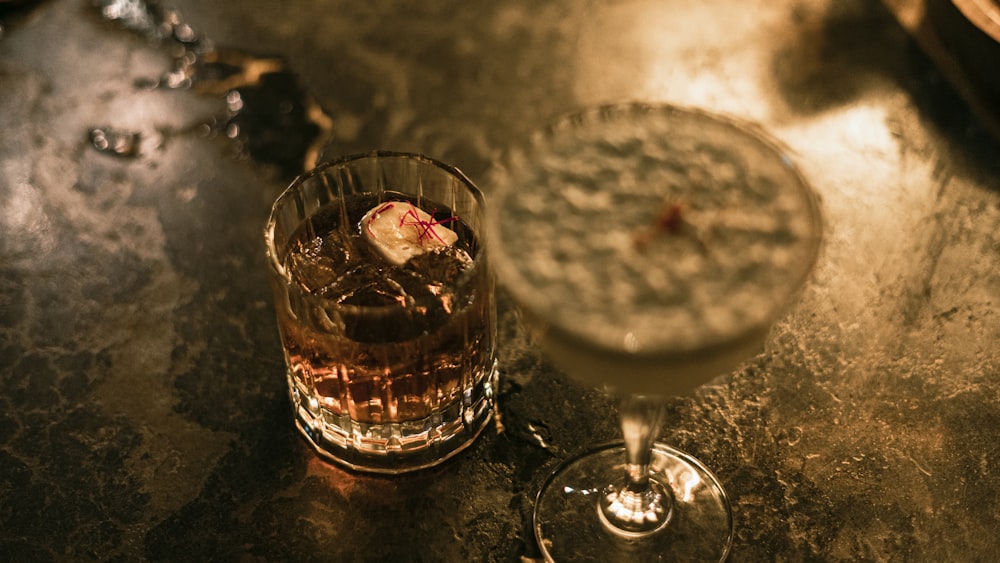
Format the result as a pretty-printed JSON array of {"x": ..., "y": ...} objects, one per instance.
[{"x": 400, "y": 230}]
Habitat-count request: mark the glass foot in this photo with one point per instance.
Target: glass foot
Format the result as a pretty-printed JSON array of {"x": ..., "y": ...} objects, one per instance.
[{"x": 570, "y": 526}]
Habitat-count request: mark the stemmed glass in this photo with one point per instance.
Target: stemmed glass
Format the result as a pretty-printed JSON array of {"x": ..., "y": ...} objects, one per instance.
[{"x": 649, "y": 248}]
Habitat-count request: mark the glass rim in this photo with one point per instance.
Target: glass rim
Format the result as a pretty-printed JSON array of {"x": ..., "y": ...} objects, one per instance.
[
  {"x": 512, "y": 280},
  {"x": 479, "y": 261}
]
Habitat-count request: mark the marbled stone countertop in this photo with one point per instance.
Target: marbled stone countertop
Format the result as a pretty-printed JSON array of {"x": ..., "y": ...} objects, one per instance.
[{"x": 143, "y": 411}]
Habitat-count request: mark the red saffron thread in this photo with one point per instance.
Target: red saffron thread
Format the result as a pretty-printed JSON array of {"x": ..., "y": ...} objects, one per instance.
[
  {"x": 669, "y": 220},
  {"x": 426, "y": 226}
]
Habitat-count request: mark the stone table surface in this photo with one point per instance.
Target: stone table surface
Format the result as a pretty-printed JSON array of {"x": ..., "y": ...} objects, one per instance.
[{"x": 143, "y": 410}]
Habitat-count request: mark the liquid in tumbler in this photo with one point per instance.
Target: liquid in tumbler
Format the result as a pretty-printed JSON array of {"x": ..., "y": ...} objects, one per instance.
[{"x": 388, "y": 330}]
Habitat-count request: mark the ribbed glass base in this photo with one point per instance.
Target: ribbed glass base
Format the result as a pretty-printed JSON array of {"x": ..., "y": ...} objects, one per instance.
[{"x": 395, "y": 447}]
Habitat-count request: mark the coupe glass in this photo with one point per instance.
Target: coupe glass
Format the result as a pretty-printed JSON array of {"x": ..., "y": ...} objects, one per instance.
[{"x": 649, "y": 248}]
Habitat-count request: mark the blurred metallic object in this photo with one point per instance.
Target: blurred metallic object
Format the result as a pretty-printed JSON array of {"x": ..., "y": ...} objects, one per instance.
[{"x": 962, "y": 38}]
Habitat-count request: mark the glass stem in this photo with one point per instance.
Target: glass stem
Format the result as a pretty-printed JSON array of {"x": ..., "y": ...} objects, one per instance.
[
  {"x": 641, "y": 418},
  {"x": 638, "y": 506}
]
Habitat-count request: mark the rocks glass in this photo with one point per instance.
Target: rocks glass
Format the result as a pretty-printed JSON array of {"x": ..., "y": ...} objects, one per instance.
[{"x": 385, "y": 308}]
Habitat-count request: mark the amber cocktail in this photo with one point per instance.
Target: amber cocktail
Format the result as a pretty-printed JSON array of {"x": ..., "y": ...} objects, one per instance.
[{"x": 385, "y": 308}]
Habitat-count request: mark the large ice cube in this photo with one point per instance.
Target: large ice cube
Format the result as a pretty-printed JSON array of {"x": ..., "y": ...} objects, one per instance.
[
  {"x": 387, "y": 304},
  {"x": 441, "y": 266},
  {"x": 366, "y": 285},
  {"x": 317, "y": 262}
]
